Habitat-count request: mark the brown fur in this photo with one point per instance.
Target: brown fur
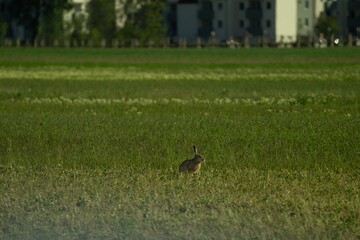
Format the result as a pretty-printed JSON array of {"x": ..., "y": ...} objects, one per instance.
[{"x": 192, "y": 165}]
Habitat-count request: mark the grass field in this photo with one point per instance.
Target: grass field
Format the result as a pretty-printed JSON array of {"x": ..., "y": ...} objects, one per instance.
[{"x": 91, "y": 141}]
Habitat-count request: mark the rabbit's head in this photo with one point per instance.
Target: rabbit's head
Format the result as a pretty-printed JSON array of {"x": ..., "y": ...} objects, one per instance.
[{"x": 198, "y": 158}]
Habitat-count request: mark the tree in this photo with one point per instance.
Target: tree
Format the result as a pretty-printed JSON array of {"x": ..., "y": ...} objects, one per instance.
[
  {"x": 102, "y": 19},
  {"x": 32, "y": 13},
  {"x": 3, "y": 28},
  {"x": 77, "y": 27},
  {"x": 26, "y": 13},
  {"x": 51, "y": 19},
  {"x": 147, "y": 23},
  {"x": 327, "y": 25}
]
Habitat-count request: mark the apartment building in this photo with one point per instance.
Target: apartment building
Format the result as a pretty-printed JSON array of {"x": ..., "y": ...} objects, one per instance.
[
  {"x": 347, "y": 14},
  {"x": 353, "y": 18},
  {"x": 225, "y": 19},
  {"x": 276, "y": 19}
]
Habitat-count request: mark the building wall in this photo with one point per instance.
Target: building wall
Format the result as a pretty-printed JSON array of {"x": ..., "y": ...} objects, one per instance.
[
  {"x": 347, "y": 14},
  {"x": 349, "y": 17},
  {"x": 305, "y": 17},
  {"x": 319, "y": 8},
  {"x": 353, "y": 17},
  {"x": 188, "y": 23},
  {"x": 341, "y": 14},
  {"x": 221, "y": 19},
  {"x": 236, "y": 18},
  {"x": 286, "y": 19},
  {"x": 269, "y": 19},
  {"x": 231, "y": 19},
  {"x": 240, "y": 22}
]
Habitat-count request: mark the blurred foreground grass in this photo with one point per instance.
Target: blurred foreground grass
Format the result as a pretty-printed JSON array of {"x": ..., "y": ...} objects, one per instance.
[{"x": 136, "y": 203}]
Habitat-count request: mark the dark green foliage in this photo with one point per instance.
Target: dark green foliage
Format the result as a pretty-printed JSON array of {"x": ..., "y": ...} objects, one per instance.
[
  {"x": 147, "y": 24},
  {"x": 327, "y": 25},
  {"x": 101, "y": 19},
  {"x": 52, "y": 19},
  {"x": 3, "y": 28},
  {"x": 32, "y": 14}
]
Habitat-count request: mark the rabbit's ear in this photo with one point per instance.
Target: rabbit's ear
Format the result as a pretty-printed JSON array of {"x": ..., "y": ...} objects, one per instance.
[{"x": 195, "y": 150}]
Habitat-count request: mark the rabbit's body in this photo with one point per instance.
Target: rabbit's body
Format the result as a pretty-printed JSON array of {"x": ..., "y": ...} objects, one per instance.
[{"x": 193, "y": 165}]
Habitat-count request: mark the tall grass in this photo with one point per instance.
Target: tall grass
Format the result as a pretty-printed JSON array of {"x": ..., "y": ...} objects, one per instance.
[{"x": 141, "y": 203}]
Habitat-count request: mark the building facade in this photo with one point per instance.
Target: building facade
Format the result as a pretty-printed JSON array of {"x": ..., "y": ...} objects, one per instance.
[
  {"x": 275, "y": 19},
  {"x": 347, "y": 14}
]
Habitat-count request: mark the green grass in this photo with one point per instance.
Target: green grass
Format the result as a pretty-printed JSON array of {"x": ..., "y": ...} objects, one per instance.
[{"x": 91, "y": 139}]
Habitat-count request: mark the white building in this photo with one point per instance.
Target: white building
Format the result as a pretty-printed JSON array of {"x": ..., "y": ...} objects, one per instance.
[{"x": 276, "y": 19}]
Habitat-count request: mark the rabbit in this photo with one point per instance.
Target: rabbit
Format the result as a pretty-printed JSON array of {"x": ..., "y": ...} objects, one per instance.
[{"x": 193, "y": 165}]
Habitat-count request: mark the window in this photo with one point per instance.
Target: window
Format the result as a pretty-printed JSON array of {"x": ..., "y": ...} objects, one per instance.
[
  {"x": 268, "y": 23},
  {"x": 307, "y": 4},
  {"x": 241, "y": 6},
  {"x": 220, "y": 24},
  {"x": 306, "y": 22},
  {"x": 220, "y": 6},
  {"x": 241, "y": 23},
  {"x": 268, "y": 5}
]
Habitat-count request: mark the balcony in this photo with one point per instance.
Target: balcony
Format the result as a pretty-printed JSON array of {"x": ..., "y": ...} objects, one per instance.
[
  {"x": 254, "y": 13},
  {"x": 206, "y": 14}
]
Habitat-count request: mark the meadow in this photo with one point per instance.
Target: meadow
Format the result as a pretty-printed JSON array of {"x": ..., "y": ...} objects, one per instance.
[{"x": 91, "y": 141}]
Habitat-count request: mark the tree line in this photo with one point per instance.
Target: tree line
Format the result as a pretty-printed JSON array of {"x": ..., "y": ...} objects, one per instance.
[{"x": 104, "y": 19}]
